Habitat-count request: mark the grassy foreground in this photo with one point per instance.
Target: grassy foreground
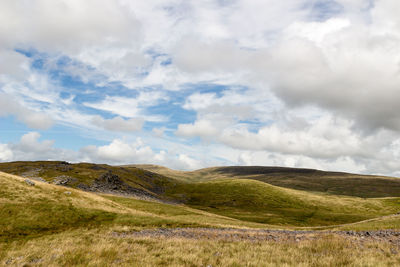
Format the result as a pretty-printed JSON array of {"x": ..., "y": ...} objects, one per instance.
[{"x": 98, "y": 248}]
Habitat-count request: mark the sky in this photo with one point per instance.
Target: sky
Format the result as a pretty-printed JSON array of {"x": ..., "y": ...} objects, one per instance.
[{"x": 189, "y": 84}]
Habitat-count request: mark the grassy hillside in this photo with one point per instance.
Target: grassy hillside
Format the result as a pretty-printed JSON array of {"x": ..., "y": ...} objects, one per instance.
[
  {"x": 29, "y": 211},
  {"x": 248, "y": 200},
  {"x": 336, "y": 183},
  {"x": 83, "y": 175},
  {"x": 256, "y": 201}
]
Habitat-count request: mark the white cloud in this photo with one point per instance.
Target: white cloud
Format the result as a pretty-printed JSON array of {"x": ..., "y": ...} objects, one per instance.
[
  {"x": 159, "y": 132},
  {"x": 33, "y": 119},
  {"x": 315, "y": 140},
  {"x": 118, "y": 151},
  {"x": 29, "y": 147},
  {"x": 118, "y": 124},
  {"x": 13, "y": 65},
  {"x": 342, "y": 65},
  {"x": 131, "y": 107},
  {"x": 5, "y": 153},
  {"x": 29, "y": 143},
  {"x": 202, "y": 128},
  {"x": 67, "y": 25},
  {"x": 122, "y": 152},
  {"x": 260, "y": 158}
]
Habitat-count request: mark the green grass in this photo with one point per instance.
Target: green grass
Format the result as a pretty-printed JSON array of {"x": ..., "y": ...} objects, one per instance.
[
  {"x": 335, "y": 183},
  {"x": 31, "y": 211},
  {"x": 259, "y": 202},
  {"x": 241, "y": 202}
]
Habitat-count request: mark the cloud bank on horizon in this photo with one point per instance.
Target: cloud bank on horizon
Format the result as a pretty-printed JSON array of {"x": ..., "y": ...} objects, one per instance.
[{"x": 190, "y": 84}]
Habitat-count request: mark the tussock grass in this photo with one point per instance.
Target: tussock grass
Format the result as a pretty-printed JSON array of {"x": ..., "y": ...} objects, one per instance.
[{"x": 99, "y": 248}]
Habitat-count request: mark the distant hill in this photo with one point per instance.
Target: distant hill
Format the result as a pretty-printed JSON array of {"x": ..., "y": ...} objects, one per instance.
[
  {"x": 336, "y": 183},
  {"x": 255, "y": 201}
]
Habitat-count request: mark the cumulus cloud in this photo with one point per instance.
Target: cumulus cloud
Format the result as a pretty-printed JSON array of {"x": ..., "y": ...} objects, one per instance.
[
  {"x": 30, "y": 147},
  {"x": 118, "y": 151},
  {"x": 202, "y": 128},
  {"x": 340, "y": 64},
  {"x": 122, "y": 152},
  {"x": 5, "y": 153},
  {"x": 315, "y": 140}
]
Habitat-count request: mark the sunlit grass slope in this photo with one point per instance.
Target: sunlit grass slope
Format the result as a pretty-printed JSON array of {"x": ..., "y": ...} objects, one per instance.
[
  {"x": 336, "y": 183},
  {"x": 380, "y": 223},
  {"x": 226, "y": 201},
  {"x": 256, "y": 201},
  {"x": 28, "y": 211}
]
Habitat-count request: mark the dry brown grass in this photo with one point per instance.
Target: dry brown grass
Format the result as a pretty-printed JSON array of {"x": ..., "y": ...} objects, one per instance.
[{"x": 97, "y": 248}]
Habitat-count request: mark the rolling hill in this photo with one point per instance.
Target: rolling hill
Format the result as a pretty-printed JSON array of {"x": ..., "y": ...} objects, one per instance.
[
  {"x": 251, "y": 200},
  {"x": 28, "y": 211},
  {"x": 225, "y": 191},
  {"x": 335, "y": 183}
]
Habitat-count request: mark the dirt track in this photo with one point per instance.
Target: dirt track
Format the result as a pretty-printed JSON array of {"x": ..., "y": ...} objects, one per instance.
[{"x": 231, "y": 234}]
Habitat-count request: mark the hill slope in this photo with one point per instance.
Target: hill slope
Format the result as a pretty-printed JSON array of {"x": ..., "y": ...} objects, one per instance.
[
  {"x": 255, "y": 201},
  {"x": 94, "y": 177},
  {"x": 29, "y": 211},
  {"x": 247, "y": 200},
  {"x": 336, "y": 183}
]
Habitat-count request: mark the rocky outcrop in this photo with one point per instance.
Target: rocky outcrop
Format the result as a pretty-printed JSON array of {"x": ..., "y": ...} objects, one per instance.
[
  {"x": 111, "y": 183},
  {"x": 64, "y": 180},
  {"x": 108, "y": 181}
]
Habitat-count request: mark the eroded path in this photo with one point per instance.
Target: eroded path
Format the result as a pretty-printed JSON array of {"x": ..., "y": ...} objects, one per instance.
[{"x": 231, "y": 234}]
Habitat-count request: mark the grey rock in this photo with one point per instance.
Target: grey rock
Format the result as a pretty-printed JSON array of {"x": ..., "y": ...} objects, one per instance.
[
  {"x": 29, "y": 182},
  {"x": 84, "y": 187},
  {"x": 63, "y": 180},
  {"x": 108, "y": 181}
]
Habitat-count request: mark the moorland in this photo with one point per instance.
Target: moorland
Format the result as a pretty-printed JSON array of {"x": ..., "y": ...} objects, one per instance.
[{"x": 56, "y": 213}]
